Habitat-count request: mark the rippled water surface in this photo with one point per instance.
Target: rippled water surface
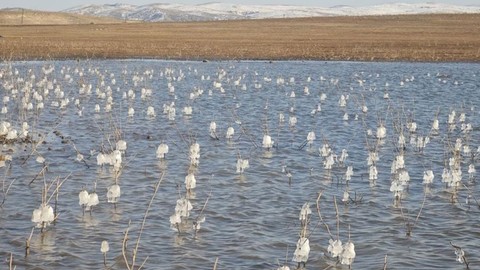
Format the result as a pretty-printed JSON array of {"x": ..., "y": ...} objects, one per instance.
[{"x": 251, "y": 219}]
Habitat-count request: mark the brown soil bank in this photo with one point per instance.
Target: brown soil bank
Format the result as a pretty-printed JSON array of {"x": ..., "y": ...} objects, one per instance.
[{"x": 371, "y": 38}]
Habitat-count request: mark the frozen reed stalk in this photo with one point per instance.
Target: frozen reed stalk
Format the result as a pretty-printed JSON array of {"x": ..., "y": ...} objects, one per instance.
[
  {"x": 305, "y": 213},
  {"x": 348, "y": 253},
  {"x": 302, "y": 251},
  {"x": 242, "y": 164},
  {"x": 104, "y": 248},
  {"x": 190, "y": 182},
  {"x": 381, "y": 132},
  {"x": 194, "y": 154},
  {"x": 267, "y": 142},
  {"x": 200, "y": 218},
  {"x": 230, "y": 133},
  {"x": 113, "y": 194},
  {"x": 213, "y": 130},
  {"x": 162, "y": 150},
  {"x": 428, "y": 177},
  {"x": 83, "y": 199},
  {"x": 310, "y": 138},
  {"x": 460, "y": 253}
]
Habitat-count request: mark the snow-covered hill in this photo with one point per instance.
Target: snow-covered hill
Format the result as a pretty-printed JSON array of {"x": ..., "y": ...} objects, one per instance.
[{"x": 222, "y": 11}]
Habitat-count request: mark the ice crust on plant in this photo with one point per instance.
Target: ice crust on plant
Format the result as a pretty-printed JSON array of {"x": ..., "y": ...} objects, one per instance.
[
  {"x": 43, "y": 216},
  {"x": 162, "y": 150},
  {"x": 302, "y": 251},
  {"x": 335, "y": 247},
  {"x": 267, "y": 141},
  {"x": 113, "y": 193},
  {"x": 348, "y": 253}
]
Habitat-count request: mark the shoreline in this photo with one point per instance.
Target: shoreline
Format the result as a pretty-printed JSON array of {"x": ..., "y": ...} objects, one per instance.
[{"x": 393, "y": 38}]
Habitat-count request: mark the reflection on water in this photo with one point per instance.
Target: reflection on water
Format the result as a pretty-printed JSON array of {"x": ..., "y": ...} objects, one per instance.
[{"x": 251, "y": 219}]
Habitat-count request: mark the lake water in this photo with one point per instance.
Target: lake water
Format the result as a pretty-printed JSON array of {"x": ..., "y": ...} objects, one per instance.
[{"x": 251, "y": 219}]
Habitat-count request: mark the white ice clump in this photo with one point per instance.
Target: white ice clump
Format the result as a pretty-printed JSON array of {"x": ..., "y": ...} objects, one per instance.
[
  {"x": 230, "y": 133},
  {"x": 43, "y": 216},
  {"x": 304, "y": 213},
  {"x": 301, "y": 252},
  {"x": 348, "y": 253},
  {"x": 114, "y": 159},
  {"x": 194, "y": 154},
  {"x": 335, "y": 247},
  {"x": 428, "y": 177},
  {"x": 182, "y": 209},
  {"x": 267, "y": 142},
  {"x": 311, "y": 137},
  {"x": 121, "y": 145},
  {"x": 190, "y": 181},
  {"x": 113, "y": 193},
  {"x": 162, "y": 150},
  {"x": 242, "y": 164}
]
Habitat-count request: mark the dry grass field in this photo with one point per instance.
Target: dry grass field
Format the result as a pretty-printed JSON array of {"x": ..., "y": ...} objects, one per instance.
[{"x": 371, "y": 38}]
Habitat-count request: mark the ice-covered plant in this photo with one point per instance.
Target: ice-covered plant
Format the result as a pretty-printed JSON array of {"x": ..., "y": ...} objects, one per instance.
[
  {"x": 381, "y": 131},
  {"x": 104, "y": 248},
  {"x": 213, "y": 130},
  {"x": 113, "y": 193},
  {"x": 346, "y": 197},
  {"x": 150, "y": 112},
  {"x": 267, "y": 142},
  {"x": 310, "y": 138},
  {"x": 305, "y": 213},
  {"x": 343, "y": 157},
  {"x": 242, "y": 164},
  {"x": 325, "y": 150},
  {"x": 230, "y": 133},
  {"x": 302, "y": 251},
  {"x": 396, "y": 188},
  {"x": 471, "y": 171},
  {"x": 372, "y": 173},
  {"x": 428, "y": 177},
  {"x": 335, "y": 247},
  {"x": 190, "y": 182},
  {"x": 194, "y": 154},
  {"x": 43, "y": 216},
  {"x": 348, "y": 174},
  {"x": 329, "y": 161},
  {"x": 182, "y": 210},
  {"x": 92, "y": 201},
  {"x": 88, "y": 200},
  {"x": 460, "y": 253},
  {"x": 348, "y": 253},
  {"x": 292, "y": 121},
  {"x": 83, "y": 199},
  {"x": 162, "y": 150}
]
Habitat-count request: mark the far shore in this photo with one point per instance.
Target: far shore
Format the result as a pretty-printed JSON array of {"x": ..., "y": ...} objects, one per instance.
[{"x": 426, "y": 38}]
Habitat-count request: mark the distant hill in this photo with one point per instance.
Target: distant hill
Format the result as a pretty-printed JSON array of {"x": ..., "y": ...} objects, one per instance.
[
  {"x": 33, "y": 17},
  {"x": 223, "y": 11}
]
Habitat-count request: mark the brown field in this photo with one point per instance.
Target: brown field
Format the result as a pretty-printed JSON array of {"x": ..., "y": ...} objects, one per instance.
[{"x": 371, "y": 38}]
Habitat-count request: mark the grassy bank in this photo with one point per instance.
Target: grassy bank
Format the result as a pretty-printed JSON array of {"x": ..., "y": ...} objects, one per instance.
[{"x": 377, "y": 38}]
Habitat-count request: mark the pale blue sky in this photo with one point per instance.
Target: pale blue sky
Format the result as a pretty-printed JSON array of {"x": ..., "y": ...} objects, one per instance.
[{"x": 56, "y": 5}]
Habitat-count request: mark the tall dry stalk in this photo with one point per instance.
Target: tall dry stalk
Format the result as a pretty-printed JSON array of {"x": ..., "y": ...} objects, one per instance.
[{"x": 131, "y": 265}]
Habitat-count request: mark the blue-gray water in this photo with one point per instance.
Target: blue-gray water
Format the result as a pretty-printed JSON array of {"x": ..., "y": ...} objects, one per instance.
[{"x": 251, "y": 219}]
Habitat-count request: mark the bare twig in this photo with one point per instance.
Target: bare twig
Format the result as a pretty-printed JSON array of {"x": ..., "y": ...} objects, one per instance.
[
  {"x": 320, "y": 216},
  {"x": 45, "y": 167},
  {"x": 135, "y": 250},
  {"x": 5, "y": 191},
  {"x": 459, "y": 252}
]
